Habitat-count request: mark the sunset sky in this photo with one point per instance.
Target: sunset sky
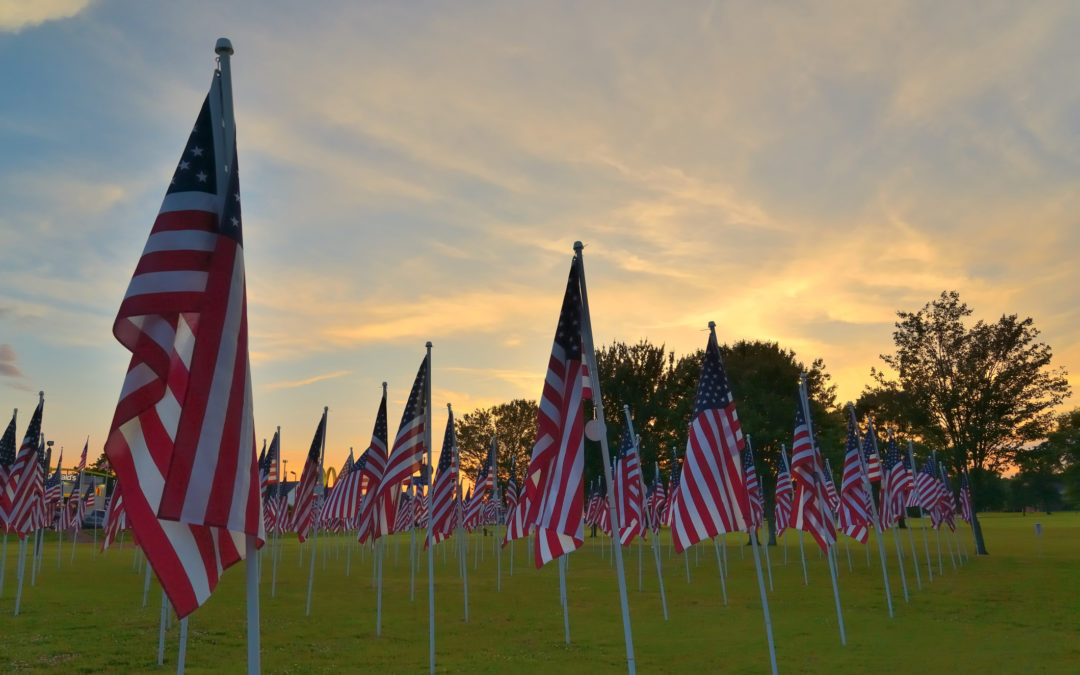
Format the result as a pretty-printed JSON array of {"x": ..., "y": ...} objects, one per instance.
[{"x": 417, "y": 171}]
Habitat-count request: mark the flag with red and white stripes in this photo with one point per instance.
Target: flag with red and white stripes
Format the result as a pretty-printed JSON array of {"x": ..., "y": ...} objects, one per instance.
[
  {"x": 374, "y": 459},
  {"x": 304, "y": 515},
  {"x": 712, "y": 493},
  {"x": 811, "y": 510},
  {"x": 869, "y": 449},
  {"x": 25, "y": 484},
  {"x": 82, "y": 458},
  {"x": 407, "y": 455},
  {"x": 445, "y": 486},
  {"x": 54, "y": 486},
  {"x": 832, "y": 496},
  {"x": 673, "y": 492},
  {"x": 344, "y": 500},
  {"x": 784, "y": 496},
  {"x": 629, "y": 502},
  {"x": 182, "y": 439},
  {"x": 966, "y": 510},
  {"x": 894, "y": 484},
  {"x": 553, "y": 483},
  {"x": 7, "y": 458},
  {"x": 854, "y": 513},
  {"x": 657, "y": 502},
  {"x": 753, "y": 489},
  {"x": 114, "y": 518}
]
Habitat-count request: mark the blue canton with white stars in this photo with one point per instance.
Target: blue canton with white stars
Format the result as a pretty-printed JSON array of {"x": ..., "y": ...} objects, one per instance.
[
  {"x": 417, "y": 397},
  {"x": 568, "y": 332},
  {"x": 714, "y": 390},
  {"x": 197, "y": 170}
]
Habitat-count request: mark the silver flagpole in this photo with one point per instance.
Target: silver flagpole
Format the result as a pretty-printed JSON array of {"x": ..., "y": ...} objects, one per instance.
[
  {"x": 161, "y": 629},
  {"x": 804, "y": 399},
  {"x": 224, "y": 50},
  {"x": 412, "y": 544},
  {"x": 646, "y": 514},
  {"x": 21, "y": 574},
  {"x": 616, "y": 523},
  {"x": 3, "y": 556},
  {"x": 463, "y": 567},
  {"x": 752, "y": 527},
  {"x": 896, "y": 537},
  {"x": 865, "y": 470},
  {"x": 431, "y": 518},
  {"x": 314, "y": 522},
  {"x": 182, "y": 652},
  {"x": 275, "y": 551}
]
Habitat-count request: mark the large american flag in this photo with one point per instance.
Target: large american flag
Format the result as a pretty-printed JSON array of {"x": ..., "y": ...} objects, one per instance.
[
  {"x": 182, "y": 439},
  {"x": 407, "y": 455},
  {"x": 25, "y": 485},
  {"x": 7, "y": 458},
  {"x": 304, "y": 515},
  {"x": 554, "y": 491},
  {"x": 811, "y": 511},
  {"x": 446, "y": 482},
  {"x": 711, "y": 497},
  {"x": 785, "y": 494},
  {"x": 854, "y": 500},
  {"x": 374, "y": 459},
  {"x": 628, "y": 498},
  {"x": 753, "y": 489},
  {"x": 894, "y": 484},
  {"x": 927, "y": 489}
]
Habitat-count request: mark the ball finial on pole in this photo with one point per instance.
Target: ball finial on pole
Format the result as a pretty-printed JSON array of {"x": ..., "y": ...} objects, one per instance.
[
  {"x": 578, "y": 246},
  {"x": 224, "y": 46}
]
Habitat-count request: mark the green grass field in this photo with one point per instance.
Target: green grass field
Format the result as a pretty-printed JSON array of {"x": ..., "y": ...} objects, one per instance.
[{"x": 1017, "y": 610}]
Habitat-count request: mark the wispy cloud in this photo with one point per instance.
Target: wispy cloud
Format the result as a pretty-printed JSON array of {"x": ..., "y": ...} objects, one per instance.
[
  {"x": 16, "y": 15},
  {"x": 307, "y": 381}
]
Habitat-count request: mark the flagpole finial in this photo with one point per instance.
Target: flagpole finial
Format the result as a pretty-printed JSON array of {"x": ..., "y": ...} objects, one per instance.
[
  {"x": 279, "y": 428},
  {"x": 41, "y": 396},
  {"x": 448, "y": 407},
  {"x": 326, "y": 409},
  {"x": 578, "y": 246},
  {"x": 224, "y": 46},
  {"x": 712, "y": 325}
]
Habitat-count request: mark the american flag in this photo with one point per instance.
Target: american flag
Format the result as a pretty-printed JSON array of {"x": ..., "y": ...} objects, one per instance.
[
  {"x": 446, "y": 481},
  {"x": 114, "y": 517},
  {"x": 470, "y": 511},
  {"x": 753, "y": 489},
  {"x": 374, "y": 459},
  {"x": 407, "y": 455},
  {"x": 554, "y": 490},
  {"x": 592, "y": 506},
  {"x": 711, "y": 498},
  {"x": 811, "y": 511},
  {"x": 474, "y": 512},
  {"x": 832, "y": 497},
  {"x": 25, "y": 485},
  {"x": 182, "y": 440},
  {"x": 87, "y": 502},
  {"x": 82, "y": 458},
  {"x": 673, "y": 492},
  {"x": 894, "y": 484},
  {"x": 658, "y": 501},
  {"x": 946, "y": 507},
  {"x": 785, "y": 494},
  {"x": 304, "y": 515},
  {"x": 927, "y": 489},
  {"x": 869, "y": 448},
  {"x": 485, "y": 478},
  {"x": 344, "y": 500},
  {"x": 516, "y": 507},
  {"x": 268, "y": 465},
  {"x": 54, "y": 486},
  {"x": 7, "y": 458},
  {"x": 854, "y": 500},
  {"x": 628, "y": 497},
  {"x": 965, "y": 498}
]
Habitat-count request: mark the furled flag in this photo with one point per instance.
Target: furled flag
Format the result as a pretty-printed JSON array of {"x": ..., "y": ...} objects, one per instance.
[
  {"x": 7, "y": 458},
  {"x": 946, "y": 507},
  {"x": 811, "y": 512},
  {"x": 304, "y": 516},
  {"x": 894, "y": 484},
  {"x": 182, "y": 440},
  {"x": 24, "y": 484},
  {"x": 344, "y": 500},
  {"x": 832, "y": 497},
  {"x": 785, "y": 493},
  {"x": 657, "y": 501},
  {"x": 468, "y": 505},
  {"x": 407, "y": 455},
  {"x": 712, "y": 496},
  {"x": 854, "y": 500},
  {"x": 592, "y": 506},
  {"x": 114, "y": 517},
  {"x": 965, "y": 498},
  {"x": 374, "y": 459},
  {"x": 869, "y": 449},
  {"x": 628, "y": 497},
  {"x": 753, "y": 489},
  {"x": 554, "y": 490},
  {"x": 446, "y": 481}
]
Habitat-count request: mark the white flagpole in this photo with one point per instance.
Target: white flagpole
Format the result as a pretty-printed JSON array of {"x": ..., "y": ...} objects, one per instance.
[
  {"x": 314, "y": 524},
  {"x": 3, "y": 556},
  {"x": 431, "y": 518},
  {"x": 461, "y": 539},
  {"x": 802, "y": 554},
  {"x": 645, "y": 513},
  {"x": 161, "y": 629},
  {"x": 412, "y": 542},
  {"x": 922, "y": 515},
  {"x": 21, "y": 574},
  {"x": 914, "y": 555},
  {"x": 146, "y": 581},
  {"x": 182, "y": 652},
  {"x": 498, "y": 504},
  {"x": 880, "y": 525},
  {"x": 562, "y": 597},
  {"x": 616, "y": 523},
  {"x": 33, "y": 560},
  {"x": 864, "y": 470},
  {"x": 752, "y": 527},
  {"x": 804, "y": 400},
  {"x": 275, "y": 552}
]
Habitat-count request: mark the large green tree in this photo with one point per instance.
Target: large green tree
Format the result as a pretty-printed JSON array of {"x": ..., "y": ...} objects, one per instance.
[
  {"x": 982, "y": 392},
  {"x": 514, "y": 426}
]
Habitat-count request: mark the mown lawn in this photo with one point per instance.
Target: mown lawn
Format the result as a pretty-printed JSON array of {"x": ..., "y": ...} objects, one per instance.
[{"x": 1017, "y": 610}]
